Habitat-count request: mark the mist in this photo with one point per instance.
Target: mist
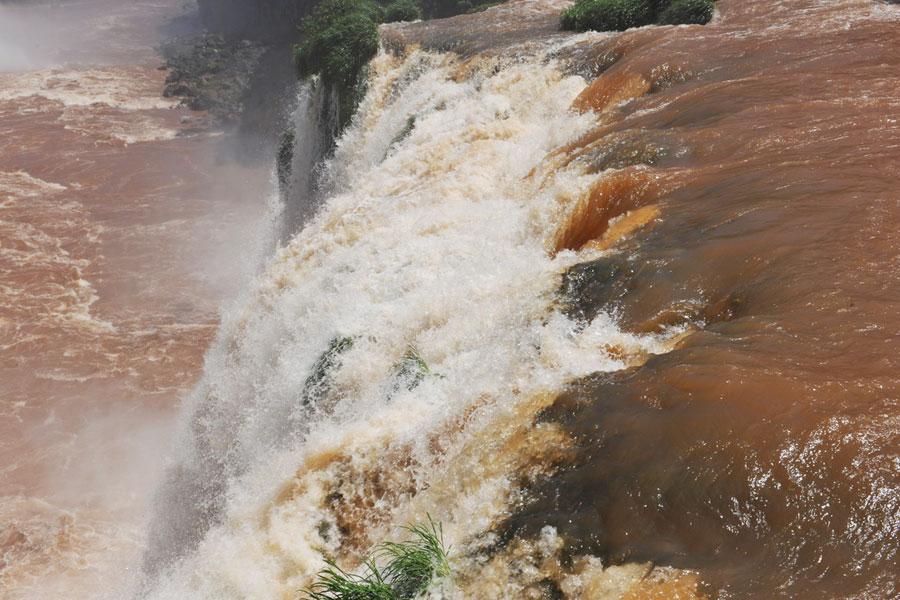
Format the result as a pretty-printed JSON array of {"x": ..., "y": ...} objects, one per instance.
[
  {"x": 39, "y": 35},
  {"x": 117, "y": 256}
]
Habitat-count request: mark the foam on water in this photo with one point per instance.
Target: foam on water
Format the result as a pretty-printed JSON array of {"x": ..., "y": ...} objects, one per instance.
[
  {"x": 440, "y": 241},
  {"x": 126, "y": 87}
]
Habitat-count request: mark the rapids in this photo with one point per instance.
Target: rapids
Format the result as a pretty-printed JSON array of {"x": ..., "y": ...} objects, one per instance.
[
  {"x": 652, "y": 275},
  {"x": 120, "y": 235}
]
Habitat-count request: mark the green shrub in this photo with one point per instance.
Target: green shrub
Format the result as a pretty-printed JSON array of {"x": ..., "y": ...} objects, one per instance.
[
  {"x": 402, "y": 10},
  {"x": 411, "y": 568},
  {"x": 410, "y": 370},
  {"x": 340, "y": 37},
  {"x": 607, "y": 15},
  {"x": 619, "y": 15},
  {"x": 679, "y": 12}
]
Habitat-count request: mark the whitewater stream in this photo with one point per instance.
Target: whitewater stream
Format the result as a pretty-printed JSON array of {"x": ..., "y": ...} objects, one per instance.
[{"x": 617, "y": 309}]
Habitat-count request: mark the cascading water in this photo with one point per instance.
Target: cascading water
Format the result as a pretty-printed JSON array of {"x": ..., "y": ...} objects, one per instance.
[
  {"x": 433, "y": 242},
  {"x": 587, "y": 300},
  {"x": 311, "y": 135}
]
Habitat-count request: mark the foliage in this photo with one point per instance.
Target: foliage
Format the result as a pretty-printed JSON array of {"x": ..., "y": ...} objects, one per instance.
[
  {"x": 678, "y": 12},
  {"x": 402, "y": 10},
  {"x": 411, "y": 568},
  {"x": 607, "y": 15},
  {"x": 414, "y": 564},
  {"x": 411, "y": 369},
  {"x": 318, "y": 382},
  {"x": 340, "y": 36},
  {"x": 619, "y": 15}
]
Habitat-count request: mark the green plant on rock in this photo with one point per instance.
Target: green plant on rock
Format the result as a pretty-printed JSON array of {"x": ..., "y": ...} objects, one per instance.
[
  {"x": 318, "y": 382},
  {"x": 619, "y": 15},
  {"x": 411, "y": 370},
  {"x": 682, "y": 12},
  {"x": 402, "y": 10},
  {"x": 410, "y": 568},
  {"x": 607, "y": 15},
  {"x": 340, "y": 37}
]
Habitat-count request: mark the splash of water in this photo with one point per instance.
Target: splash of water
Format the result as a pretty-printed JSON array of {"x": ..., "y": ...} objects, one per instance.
[{"x": 433, "y": 236}]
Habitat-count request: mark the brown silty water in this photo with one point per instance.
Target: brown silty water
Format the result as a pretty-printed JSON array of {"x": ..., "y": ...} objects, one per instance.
[
  {"x": 114, "y": 228},
  {"x": 746, "y": 191},
  {"x": 753, "y": 165}
]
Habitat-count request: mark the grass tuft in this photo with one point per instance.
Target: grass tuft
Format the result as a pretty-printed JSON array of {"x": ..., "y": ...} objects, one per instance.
[
  {"x": 414, "y": 564},
  {"x": 411, "y": 370},
  {"x": 411, "y": 567}
]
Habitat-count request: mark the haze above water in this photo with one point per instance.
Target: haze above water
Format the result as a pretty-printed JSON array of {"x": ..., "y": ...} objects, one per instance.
[
  {"x": 118, "y": 241},
  {"x": 653, "y": 276}
]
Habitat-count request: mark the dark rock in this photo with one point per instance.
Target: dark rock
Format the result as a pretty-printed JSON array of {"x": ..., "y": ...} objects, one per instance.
[
  {"x": 212, "y": 73},
  {"x": 179, "y": 89}
]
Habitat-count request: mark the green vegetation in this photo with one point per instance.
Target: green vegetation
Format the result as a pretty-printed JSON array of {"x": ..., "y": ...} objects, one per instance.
[
  {"x": 687, "y": 11},
  {"x": 411, "y": 567},
  {"x": 318, "y": 382},
  {"x": 340, "y": 37},
  {"x": 619, "y": 15},
  {"x": 411, "y": 369},
  {"x": 402, "y": 10}
]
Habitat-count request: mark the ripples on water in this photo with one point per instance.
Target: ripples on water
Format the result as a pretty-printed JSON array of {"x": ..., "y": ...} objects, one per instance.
[
  {"x": 660, "y": 323},
  {"x": 738, "y": 431}
]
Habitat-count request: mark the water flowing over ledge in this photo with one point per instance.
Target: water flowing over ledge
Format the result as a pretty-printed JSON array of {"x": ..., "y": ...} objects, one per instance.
[{"x": 652, "y": 277}]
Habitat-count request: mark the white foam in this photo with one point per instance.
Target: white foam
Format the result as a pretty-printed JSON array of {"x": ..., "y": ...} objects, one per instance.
[
  {"x": 121, "y": 87},
  {"x": 20, "y": 184},
  {"x": 441, "y": 241}
]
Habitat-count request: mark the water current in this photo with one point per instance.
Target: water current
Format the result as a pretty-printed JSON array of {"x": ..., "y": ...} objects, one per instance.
[
  {"x": 119, "y": 238},
  {"x": 653, "y": 276}
]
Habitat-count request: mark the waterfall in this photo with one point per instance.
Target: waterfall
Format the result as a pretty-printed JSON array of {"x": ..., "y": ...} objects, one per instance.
[
  {"x": 310, "y": 138},
  {"x": 306, "y": 438}
]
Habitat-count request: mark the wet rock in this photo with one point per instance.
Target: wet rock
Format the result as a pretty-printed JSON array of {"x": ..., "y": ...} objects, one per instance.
[
  {"x": 212, "y": 73},
  {"x": 588, "y": 288},
  {"x": 634, "y": 148}
]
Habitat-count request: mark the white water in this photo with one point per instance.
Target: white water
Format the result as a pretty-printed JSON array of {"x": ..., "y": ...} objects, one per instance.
[{"x": 440, "y": 242}]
